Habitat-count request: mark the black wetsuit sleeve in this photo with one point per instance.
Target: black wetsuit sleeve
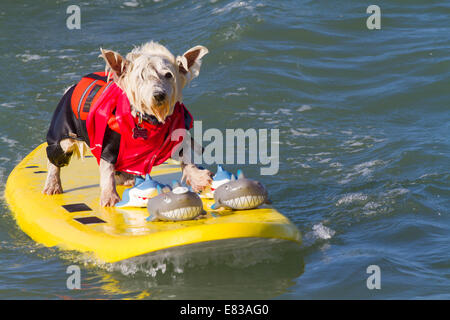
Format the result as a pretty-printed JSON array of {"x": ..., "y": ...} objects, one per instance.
[{"x": 111, "y": 146}]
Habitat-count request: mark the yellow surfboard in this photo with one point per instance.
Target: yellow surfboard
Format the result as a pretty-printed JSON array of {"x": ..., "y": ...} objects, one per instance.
[{"x": 75, "y": 220}]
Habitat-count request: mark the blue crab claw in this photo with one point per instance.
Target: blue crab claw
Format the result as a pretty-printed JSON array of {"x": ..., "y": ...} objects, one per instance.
[
  {"x": 158, "y": 188},
  {"x": 151, "y": 218},
  {"x": 215, "y": 206},
  {"x": 240, "y": 174}
]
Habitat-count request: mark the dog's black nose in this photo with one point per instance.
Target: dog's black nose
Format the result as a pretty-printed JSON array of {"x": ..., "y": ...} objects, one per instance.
[{"x": 160, "y": 96}]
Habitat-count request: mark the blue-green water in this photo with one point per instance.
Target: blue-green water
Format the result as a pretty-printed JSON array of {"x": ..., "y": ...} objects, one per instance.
[{"x": 364, "y": 126}]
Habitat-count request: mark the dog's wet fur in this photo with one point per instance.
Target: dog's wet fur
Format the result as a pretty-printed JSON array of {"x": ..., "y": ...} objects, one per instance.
[{"x": 153, "y": 80}]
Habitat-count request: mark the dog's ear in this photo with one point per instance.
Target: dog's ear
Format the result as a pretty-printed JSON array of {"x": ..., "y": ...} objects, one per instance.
[
  {"x": 189, "y": 63},
  {"x": 114, "y": 62}
]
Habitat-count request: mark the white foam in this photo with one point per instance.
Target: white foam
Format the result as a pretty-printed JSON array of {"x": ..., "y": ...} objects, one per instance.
[
  {"x": 373, "y": 139},
  {"x": 321, "y": 154},
  {"x": 335, "y": 164},
  {"x": 132, "y": 4},
  {"x": 228, "y": 94},
  {"x": 304, "y": 107},
  {"x": 397, "y": 192},
  {"x": 8, "y": 105},
  {"x": 323, "y": 232},
  {"x": 303, "y": 134},
  {"x": 65, "y": 57},
  {"x": 371, "y": 207},
  {"x": 356, "y": 144},
  {"x": 284, "y": 111},
  {"x": 10, "y": 142},
  {"x": 237, "y": 253},
  {"x": 29, "y": 57},
  {"x": 351, "y": 198},
  {"x": 233, "y": 32},
  {"x": 325, "y": 160},
  {"x": 364, "y": 169},
  {"x": 233, "y": 5}
]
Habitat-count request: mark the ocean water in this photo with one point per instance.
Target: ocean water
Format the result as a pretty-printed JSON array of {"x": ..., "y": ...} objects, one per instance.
[{"x": 364, "y": 152}]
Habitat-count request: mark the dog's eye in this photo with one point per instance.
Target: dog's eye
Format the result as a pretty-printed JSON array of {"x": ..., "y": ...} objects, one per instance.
[{"x": 168, "y": 75}]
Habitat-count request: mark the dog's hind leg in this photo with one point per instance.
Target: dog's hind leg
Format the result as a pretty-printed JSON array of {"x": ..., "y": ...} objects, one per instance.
[
  {"x": 53, "y": 181},
  {"x": 61, "y": 156}
]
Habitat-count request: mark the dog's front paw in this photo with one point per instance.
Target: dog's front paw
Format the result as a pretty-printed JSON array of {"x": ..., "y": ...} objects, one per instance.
[
  {"x": 109, "y": 199},
  {"x": 197, "y": 178}
]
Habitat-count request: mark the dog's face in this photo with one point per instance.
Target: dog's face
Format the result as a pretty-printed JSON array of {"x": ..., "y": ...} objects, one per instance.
[{"x": 152, "y": 78}]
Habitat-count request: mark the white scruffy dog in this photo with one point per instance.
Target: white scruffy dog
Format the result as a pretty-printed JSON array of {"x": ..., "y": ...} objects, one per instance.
[{"x": 153, "y": 80}]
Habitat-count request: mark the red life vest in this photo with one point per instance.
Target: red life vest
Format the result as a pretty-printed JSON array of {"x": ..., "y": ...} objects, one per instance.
[
  {"x": 87, "y": 92},
  {"x": 142, "y": 145}
]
